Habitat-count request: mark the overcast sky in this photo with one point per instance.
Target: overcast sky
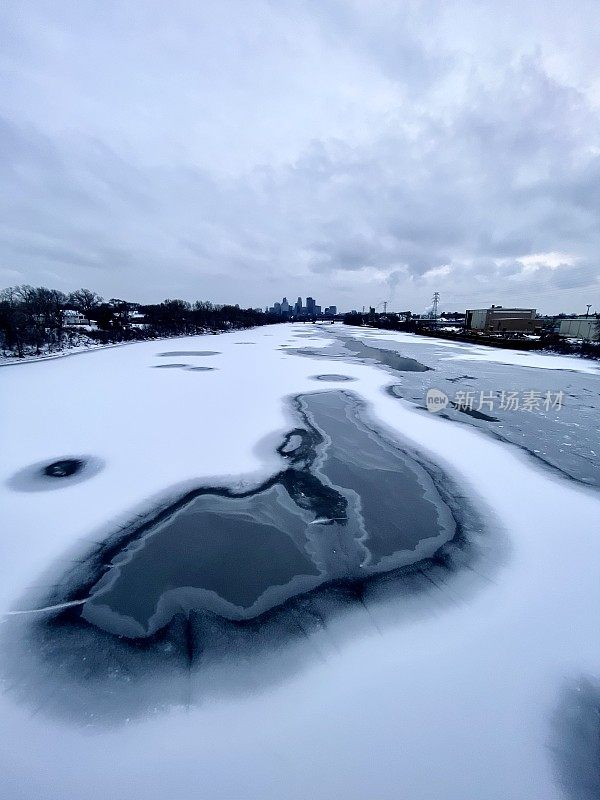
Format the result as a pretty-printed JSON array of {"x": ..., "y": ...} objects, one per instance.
[{"x": 239, "y": 151}]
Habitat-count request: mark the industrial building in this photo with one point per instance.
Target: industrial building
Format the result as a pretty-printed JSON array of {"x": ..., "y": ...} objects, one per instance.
[
  {"x": 583, "y": 327},
  {"x": 497, "y": 319}
]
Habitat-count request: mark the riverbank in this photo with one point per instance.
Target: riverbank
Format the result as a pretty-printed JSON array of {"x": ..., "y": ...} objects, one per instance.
[
  {"x": 89, "y": 344},
  {"x": 546, "y": 344}
]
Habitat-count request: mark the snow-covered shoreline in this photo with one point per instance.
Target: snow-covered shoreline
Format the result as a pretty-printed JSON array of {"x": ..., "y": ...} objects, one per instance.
[{"x": 92, "y": 346}]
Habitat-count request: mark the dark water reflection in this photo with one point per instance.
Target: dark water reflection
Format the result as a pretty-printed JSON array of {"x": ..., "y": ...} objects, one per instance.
[
  {"x": 388, "y": 358},
  {"x": 240, "y": 556},
  {"x": 345, "y": 349},
  {"x": 575, "y": 738},
  {"x": 177, "y": 353},
  {"x": 219, "y": 577},
  {"x": 220, "y": 553},
  {"x": 397, "y": 504},
  {"x": 334, "y": 378}
]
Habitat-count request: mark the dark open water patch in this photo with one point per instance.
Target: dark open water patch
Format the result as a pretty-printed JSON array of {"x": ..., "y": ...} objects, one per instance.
[
  {"x": 575, "y": 739},
  {"x": 306, "y": 335},
  {"x": 473, "y": 412},
  {"x": 388, "y": 358},
  {"x": 353, "y": 350},
  {"x": 189, "y": 353},
  {"x": 234, "y": 556},
  {"x": 55, "y": 473},
  {"x": 332, "y": 377},
  {"x": 395, "y": 390},
  {"x": 202, "y": 369},
  {"x": 459, "y": 378},
  {"x": 64, "y": 468},
  {"x": 191, "y": 598},
  {"x": 169, "y": 366},
  {"x": 331, "y": 352}
]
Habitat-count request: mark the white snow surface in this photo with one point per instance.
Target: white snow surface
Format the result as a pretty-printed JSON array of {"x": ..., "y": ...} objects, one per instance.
[
  {"x": 524, "y": 359},
  {"x": 451, "y": 705}
]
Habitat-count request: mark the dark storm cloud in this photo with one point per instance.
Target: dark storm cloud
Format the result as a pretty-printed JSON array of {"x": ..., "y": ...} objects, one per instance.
[{"x": 301, "y": 148}]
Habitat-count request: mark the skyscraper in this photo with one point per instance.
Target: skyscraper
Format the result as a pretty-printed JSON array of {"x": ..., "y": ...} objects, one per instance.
[{"x": 310, "y": 306}]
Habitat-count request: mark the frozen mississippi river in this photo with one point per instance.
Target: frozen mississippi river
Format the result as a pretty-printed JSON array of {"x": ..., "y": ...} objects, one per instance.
[{"x": 255, "y": 566}]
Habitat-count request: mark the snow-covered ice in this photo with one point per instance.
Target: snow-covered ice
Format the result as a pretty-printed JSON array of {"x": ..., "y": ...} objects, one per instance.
[
  {"x": 472, "y": 352},
  {"x": 456, "y": 691},
  {"x": 524, "y": 359}
]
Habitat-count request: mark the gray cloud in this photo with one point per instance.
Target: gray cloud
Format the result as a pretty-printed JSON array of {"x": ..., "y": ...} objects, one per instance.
[{"x": 244, "y": 151}]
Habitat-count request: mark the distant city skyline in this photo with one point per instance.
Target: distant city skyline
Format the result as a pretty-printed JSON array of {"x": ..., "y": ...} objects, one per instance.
[{"x": 299, "y": 310}]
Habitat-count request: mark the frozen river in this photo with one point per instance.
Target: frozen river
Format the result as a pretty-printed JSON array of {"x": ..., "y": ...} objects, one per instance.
[
  {"x": 257, "y": 566},
  {"x": 550, "y": 409}
]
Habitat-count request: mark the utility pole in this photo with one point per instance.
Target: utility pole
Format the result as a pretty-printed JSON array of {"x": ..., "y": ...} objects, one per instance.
[
  {"x": 385, "y": 306},
  {"x": 587, "y": 313},
  {"x": 436, "y": 300}
]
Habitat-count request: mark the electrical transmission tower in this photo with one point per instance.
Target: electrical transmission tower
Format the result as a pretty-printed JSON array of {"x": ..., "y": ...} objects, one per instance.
[{"x": 436, "y": 300}]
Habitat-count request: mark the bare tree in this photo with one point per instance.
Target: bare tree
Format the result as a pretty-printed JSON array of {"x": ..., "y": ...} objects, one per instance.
[
  {"x": 33, "y": 317},
  {"x": 13, "y": 321},
  {"x": 43, "y": 310},
  {"x": 85, "y": 301}
]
